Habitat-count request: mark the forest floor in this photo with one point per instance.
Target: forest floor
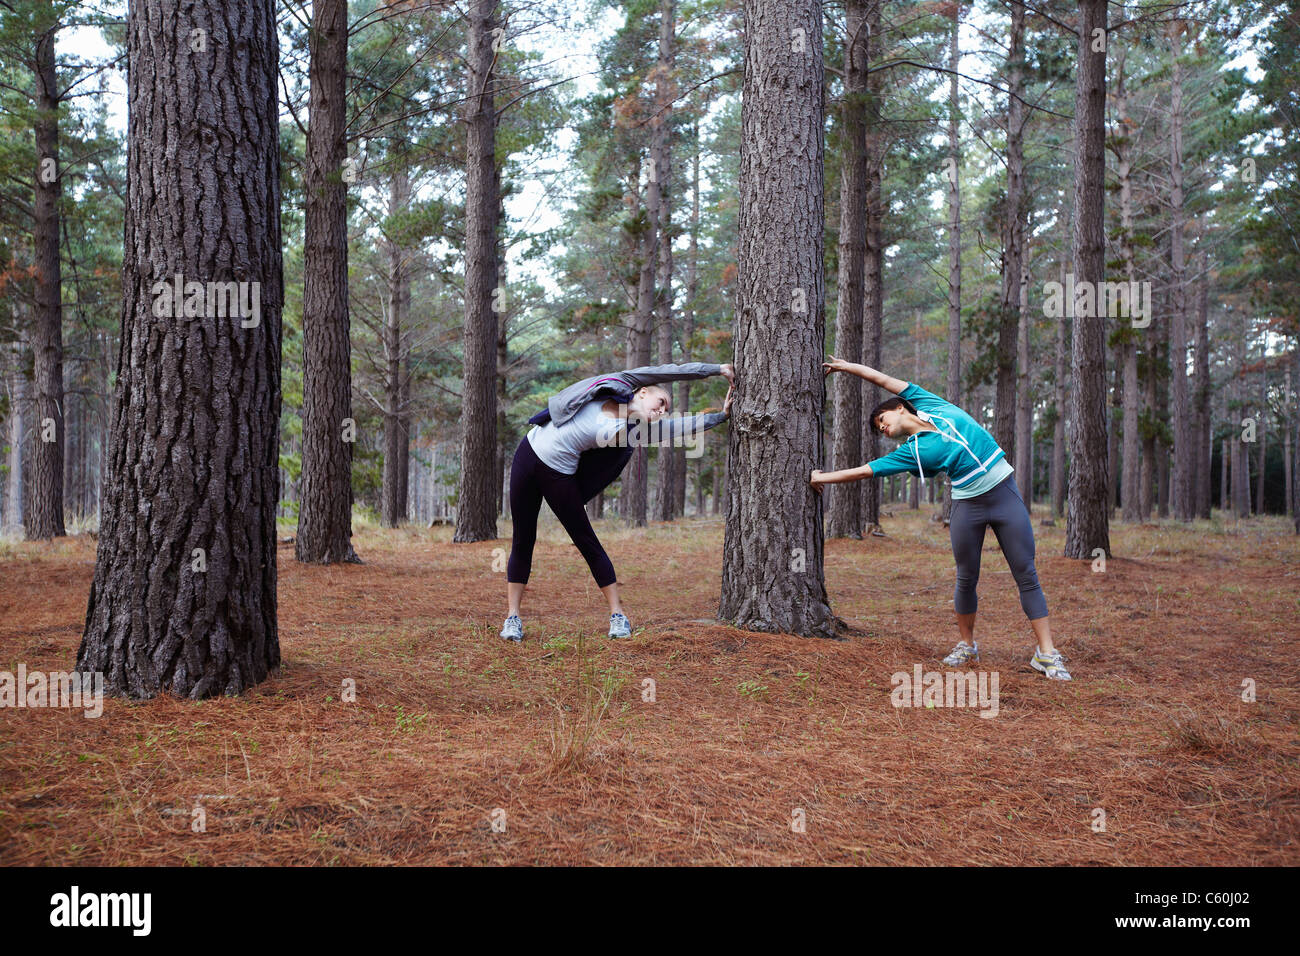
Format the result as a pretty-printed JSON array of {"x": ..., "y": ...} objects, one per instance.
[{"x": 460, "y": 748}]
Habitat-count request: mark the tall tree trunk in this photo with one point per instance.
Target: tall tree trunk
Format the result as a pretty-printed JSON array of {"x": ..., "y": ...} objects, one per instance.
[
  {"x": 476, "y": 513},
  {"x": 772, "y": 572},
  {"x": 953, "y": 382},
  {"x": 17, "y": 408},
  {"x": 1204, "y": 442},
  {"x": 1087, "y": 525},
  {"x": 665, "y": 458},
  {"x": 844, "y": 501},
  {"x": 328, "y": 430},
  {"x": 688, "y": 320},
  {"x": 873, "y": 276},
  {"x": 1057, "y": 480},
  {"x": 1181, "y": 487},
  {"x": 1262, "y": 438},
  {"x": 1130, "y": 429},
  {"x": 43, "y": 516},
  {"x": 396, "y": 438},
  {"x": 184, "y": 597},
  {"x": 1024, "y": 395},
  {"x": 1004, "y": 416}
]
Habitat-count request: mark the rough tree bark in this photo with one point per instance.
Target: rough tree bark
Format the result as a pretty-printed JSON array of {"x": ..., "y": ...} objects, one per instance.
[
  {"x": 43, "y": 514},
  {"x": 397, "y": 439},
  {"x": 328, "y": 430},
  {"x": 665, "y": 94},
  {"x": 844, "y": 501},
  {"x": 954, "y": 236},
  {"x": 1182, "y": 480},
  {"x": 1013, "y": 230},
  {"x": 183, "y": 598},
  {"x": 873, "y": 277},
  {"x": 476, "y": 512},
  {"x": 688, "y": 326},
  {"x": 1087, "y": 526},
  {"x": 772, "y": 573}
]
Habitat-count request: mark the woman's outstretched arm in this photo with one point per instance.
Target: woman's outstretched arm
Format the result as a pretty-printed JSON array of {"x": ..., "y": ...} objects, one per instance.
[
  {"x": 887, "y": 382},
  {"x": 819, "y": 478}
]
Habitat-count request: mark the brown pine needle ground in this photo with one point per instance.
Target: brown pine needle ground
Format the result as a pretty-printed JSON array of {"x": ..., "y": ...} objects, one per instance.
[{"x": 460, "y": 748}]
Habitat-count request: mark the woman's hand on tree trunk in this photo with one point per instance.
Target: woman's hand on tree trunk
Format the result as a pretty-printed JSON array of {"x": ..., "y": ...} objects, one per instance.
[
  {"x": 838, "y": 365},
  {"x": 726, "y": 405}
]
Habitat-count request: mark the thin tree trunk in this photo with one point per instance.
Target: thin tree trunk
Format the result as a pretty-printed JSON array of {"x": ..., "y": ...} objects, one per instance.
[
  {"x": 1057, "y": 480},
  {"x": 328, "y": 430},
  {"x": 396, "y": 438},
  {"x": 665, "y": 457},
  {"x": 873, "y": 277},
  {"x": 688, "y": 318},
  {"x": 476, "y": 512},
  {"x": 954, "y": 236},
  {"x": 1204, "y": 445},
  {"x": 17, "y": 407},
  {"x": 1004, "y": 417},
  {"x": 1181, "y": 488},
  {"x": 184, "y": 592},
  {"x": 772, "y": 572}
]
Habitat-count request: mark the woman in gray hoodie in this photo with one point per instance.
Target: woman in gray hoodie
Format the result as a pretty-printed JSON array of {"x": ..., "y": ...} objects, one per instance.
[{"x": 578, "y": 446}]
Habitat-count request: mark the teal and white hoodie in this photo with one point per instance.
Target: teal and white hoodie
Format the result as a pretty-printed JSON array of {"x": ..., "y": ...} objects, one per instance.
[{"x": 969, "y": 455}]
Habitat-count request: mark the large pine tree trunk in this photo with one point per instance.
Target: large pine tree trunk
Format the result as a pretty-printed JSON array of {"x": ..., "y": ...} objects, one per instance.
[
  {"x": 844, "y": 501},
  {"x": 183, "y": 598},
  {"x": 772, "y": 572},
  {"x": 1004, "y": 415},
  {"x": 43, "y": 516},
  {"x": 476, "y": 513},
  {"x": 1087, "y": 526},
  {"x": 328, "y": 431}
]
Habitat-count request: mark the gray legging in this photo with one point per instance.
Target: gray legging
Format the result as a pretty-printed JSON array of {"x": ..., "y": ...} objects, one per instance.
[{"x": 1004, "y": 509}]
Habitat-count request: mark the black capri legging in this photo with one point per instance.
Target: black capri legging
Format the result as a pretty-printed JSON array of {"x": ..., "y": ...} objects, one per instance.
[
  {"x": 532, "y": 480},
  {"x": 1004, "y": 509}
]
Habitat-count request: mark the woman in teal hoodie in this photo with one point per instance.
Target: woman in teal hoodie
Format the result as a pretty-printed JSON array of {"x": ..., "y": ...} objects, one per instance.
[{"x": 939, "y": 437}]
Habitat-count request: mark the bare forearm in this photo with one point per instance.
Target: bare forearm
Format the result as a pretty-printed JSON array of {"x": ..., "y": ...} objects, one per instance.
[
  {"x": 846, "y": 474},
  {"x": 876, "y": 377}
]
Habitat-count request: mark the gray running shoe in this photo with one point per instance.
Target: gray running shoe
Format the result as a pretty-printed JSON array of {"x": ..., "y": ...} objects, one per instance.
[
  {"x": 513, "y": 629},
  {"x": 963, "y": 654},
  {"x": 619, "y": 625}
]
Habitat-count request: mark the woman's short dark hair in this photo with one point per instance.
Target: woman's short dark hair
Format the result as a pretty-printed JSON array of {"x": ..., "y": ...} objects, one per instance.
[{"x": 888, "y": 405}]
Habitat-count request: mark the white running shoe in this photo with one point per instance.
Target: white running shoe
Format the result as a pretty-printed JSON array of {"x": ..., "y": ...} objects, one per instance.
[
  {"x": 513, "y": 629},
  {"x": 1052, "y": 665},
  {"x": 619, "y": 625},
  {"x": 963, "y": 654}
]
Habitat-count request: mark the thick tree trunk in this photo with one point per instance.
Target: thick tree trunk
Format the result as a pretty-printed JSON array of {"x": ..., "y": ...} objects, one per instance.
[
  {"x": 1004, "y": 416},
  {"x": 1088, "y": 518},
  {"x": 184, "y": 597},
  {"x": 328, "y": 430},
  {"x": 476, "y": 513},
  {"x": 1131, "y": 474},
  {"x": 43, "y": 516},
  {"x": 844, "y": 501},
  {"x": 772, "y": 573}
]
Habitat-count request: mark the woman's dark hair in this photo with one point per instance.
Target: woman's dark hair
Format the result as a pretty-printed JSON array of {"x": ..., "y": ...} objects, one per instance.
[{"x": 888, "y": 405}]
